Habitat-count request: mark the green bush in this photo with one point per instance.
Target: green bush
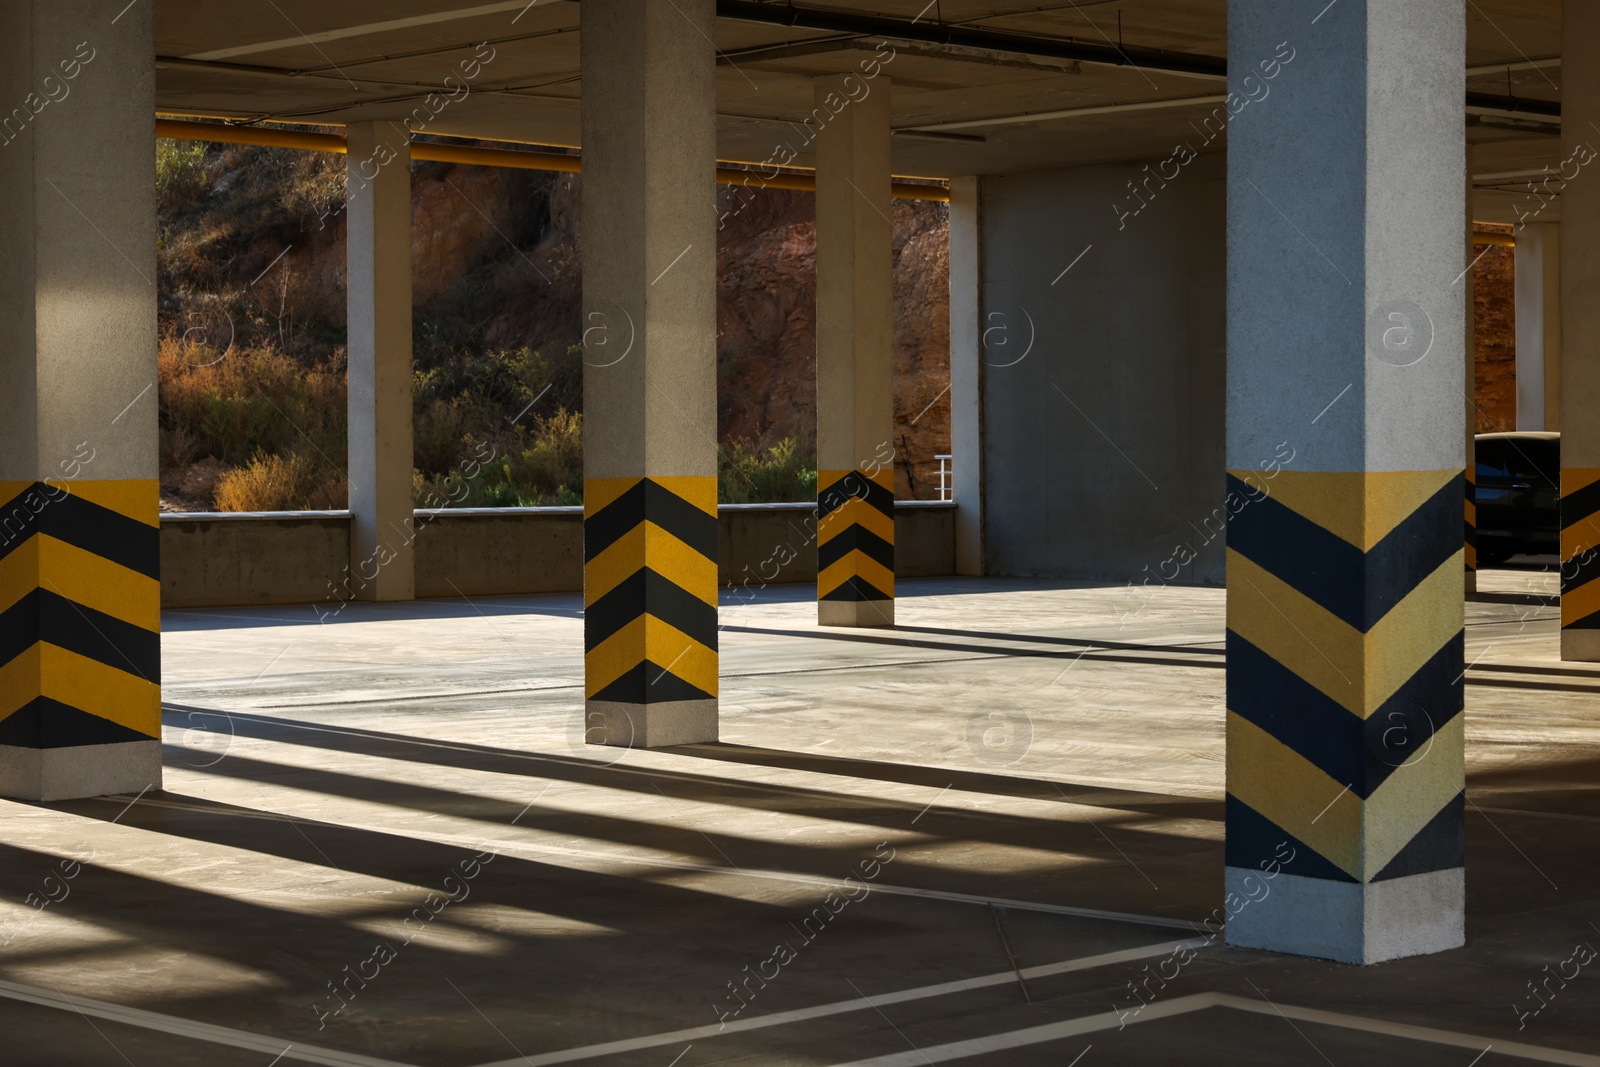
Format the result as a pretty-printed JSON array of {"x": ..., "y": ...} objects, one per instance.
[{"x": 781, "y": 473}]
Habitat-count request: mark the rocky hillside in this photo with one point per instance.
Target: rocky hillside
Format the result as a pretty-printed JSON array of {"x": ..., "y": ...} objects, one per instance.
[
  {"x": 1495, "y": 303},
  {"x": 252, "y": 275}
]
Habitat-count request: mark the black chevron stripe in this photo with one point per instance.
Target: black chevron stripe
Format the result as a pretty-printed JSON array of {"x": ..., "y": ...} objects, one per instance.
[
  {"x": 646, "y": 592},
  {"x": 45, "y": 616},
  {"x": 46, "y": 723},
  {"x": 855, "y": 537},
  {"x": 855, "y": 589},
  {"x": 855, "y": 484},
  {"x": 650, "y": 502},
  {"x": 1253, "y": 840},
  {"x": 1360, "y": 588},
  {"x": 1441, "y": 845},
  {"x": 1581, "y": 505},
  {"x": 105, "y": 533},
  {"x": 1361, "y": 754},
  {"x": 1580, "y": 570},
  {"x": 650, "y": 683}
]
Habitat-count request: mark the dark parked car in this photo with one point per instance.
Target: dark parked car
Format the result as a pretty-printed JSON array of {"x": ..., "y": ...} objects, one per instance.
[{"x": 1519, "y": 495}]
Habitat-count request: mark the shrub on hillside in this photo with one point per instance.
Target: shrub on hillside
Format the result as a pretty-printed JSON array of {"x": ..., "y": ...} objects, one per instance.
[
  {"x": 781, "y": 473},
  {"x": 293, "y": 482}
]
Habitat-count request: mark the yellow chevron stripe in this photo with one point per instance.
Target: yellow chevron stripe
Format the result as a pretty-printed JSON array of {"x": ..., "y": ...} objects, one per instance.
[
  {"x": 89, "y": 685},
  {"x": 82, "y": 577},
  {"x": 1579, "y": 538},
  {"x": 19, "y": 572},
  {"x": 599, "y": 492},
  {"x": 1361, "y": 507},
  {"x": 1413, "y": 794},
  {"x": 699, "y": 490},
  {"x": 84, "y": 683},
  {"x": 855, "y": 512},
  {"x": 1580, "y": 603},
  {"x": 95, "y": 582},
  {"x": 135, "y": 498},
  {"x": 20, "y": 681},
  {"x": 1576, "y": 479},
  {"x": 647, "y": 637},
  {"x": 648, "y": 545},
  {"x": 1294, "y": 793},
  {"x": 1358, "y": 838},
  {"x": 854, "y": 563},
  {"x": 1358, "y": 671}
]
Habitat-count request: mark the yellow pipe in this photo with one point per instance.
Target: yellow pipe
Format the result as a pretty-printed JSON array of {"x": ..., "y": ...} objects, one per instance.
[
  {"x": 493, "y": 157},
  {"x": 1504, "y": 240}
]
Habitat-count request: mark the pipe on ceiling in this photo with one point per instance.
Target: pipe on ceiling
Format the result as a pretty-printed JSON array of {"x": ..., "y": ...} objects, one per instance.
[
  {"x": 434, "y": 152},
  {"x": 899, "y": 29}
]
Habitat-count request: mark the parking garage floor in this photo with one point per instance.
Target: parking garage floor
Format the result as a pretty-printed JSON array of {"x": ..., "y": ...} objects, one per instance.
[{"x": 977, "y": 838}]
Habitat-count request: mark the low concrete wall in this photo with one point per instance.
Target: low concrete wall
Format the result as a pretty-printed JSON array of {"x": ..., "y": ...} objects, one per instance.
[
  {"x": 298, "y": 557},
  {"x": 269, "y": 557}
]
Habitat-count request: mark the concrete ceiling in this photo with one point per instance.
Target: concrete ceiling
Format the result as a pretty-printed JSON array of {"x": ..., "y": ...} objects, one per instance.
[{"x": 332, "y": 61}]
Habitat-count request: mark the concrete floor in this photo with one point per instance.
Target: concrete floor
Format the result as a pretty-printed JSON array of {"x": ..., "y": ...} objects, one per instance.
[{"x": 1025, "y": 779}]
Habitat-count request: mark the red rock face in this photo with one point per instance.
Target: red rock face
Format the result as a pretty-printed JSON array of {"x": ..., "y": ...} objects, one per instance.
[
  {"x": 1495, "y": 305},
  {"x": 766, "y": 328}
]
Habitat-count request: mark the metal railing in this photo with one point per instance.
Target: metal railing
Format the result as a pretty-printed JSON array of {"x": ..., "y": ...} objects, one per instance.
[{"x": 944, "y": 475}]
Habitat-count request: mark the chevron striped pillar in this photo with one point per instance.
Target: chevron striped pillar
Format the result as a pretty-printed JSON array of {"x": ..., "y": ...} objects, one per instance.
[
  {"x": 855, "y": 548},
  {"x": 1345, "y": 765},
  {"x": 855, "y": 354},
  {"x": 1580, "y": 562},
  {"x": 649, "y": 376},
  {"x": 80, "y": 596},
  {"x": 1580, "y": 341}
]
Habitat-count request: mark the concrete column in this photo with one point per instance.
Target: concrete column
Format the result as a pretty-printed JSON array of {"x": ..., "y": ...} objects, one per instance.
[
  {"x": 1470, "y": 392},
  {"x": 1345, "y": 364},
  {"x": 1538, "y": 270},
  {"x": 966, "y": 371},
  {"x": 80, "y": 591},
  {"x": 1580, "y": 368},
  {"x": 855, "y": 354},
  {"x": 649, "y": 376},
  {"x": 378, "y": 191},
  {"x": 1580, "y": 339}
]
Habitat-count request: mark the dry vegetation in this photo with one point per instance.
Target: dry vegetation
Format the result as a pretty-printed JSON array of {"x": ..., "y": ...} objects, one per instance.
[{"x": 252, "y": 350}]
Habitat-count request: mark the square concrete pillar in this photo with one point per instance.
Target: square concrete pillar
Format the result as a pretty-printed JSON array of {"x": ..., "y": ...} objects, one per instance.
[
  {"x": 80, "y": 591},
  {"x": 855, "y": 353},
  {"x": 1538, "y": 314},
  {"x": 1580, "y": 339},
  {"x": 378, "y": 192},
  {"x": 1470, "y": 392},
  {"x": 649, "y": 375},
  {"x": 966, "y": 370},
  {"x": 1345, "y": 771}
]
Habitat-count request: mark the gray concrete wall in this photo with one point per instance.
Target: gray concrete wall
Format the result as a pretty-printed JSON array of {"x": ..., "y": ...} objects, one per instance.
[
  {"x": 266, "y": 558},
  {"x": 1104, "y": 384},
  {"x": 300, "y": 557}
]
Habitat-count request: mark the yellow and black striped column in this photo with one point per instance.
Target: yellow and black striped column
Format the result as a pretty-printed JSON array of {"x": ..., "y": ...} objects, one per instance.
[
  {"x": 650, "y": 608},
  {"x": 1345, "y": 810},
  {"x": 80, "y": 641},
  {"x": 80, "y": 597},
  {"x": 1470, "y": 529},
  {"x": 855, "y": 548},
  {"x": 649, "y": 375},
  {"x": 855, "y": 355},
  {"x": 1580, "y": 563},
  {"x": 1344, "y": 728}
]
